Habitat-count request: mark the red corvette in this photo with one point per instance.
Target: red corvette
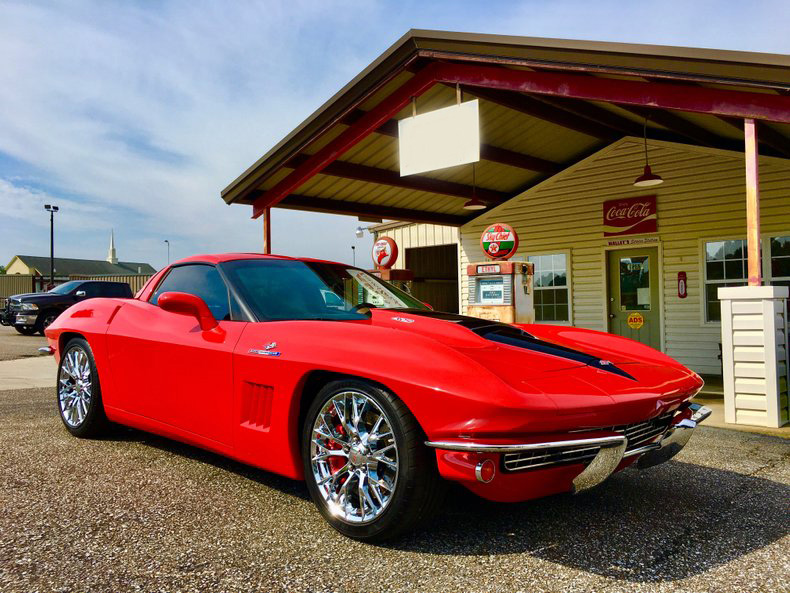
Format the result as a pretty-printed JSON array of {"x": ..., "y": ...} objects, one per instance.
[{"x": 320, "y": 371}]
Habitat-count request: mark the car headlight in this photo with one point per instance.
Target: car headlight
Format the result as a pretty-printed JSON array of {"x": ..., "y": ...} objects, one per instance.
[{"x": 28, "y": 307}]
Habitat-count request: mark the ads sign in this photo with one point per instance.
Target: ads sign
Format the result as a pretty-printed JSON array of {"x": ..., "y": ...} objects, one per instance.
[{"x": 630, "y": 216}]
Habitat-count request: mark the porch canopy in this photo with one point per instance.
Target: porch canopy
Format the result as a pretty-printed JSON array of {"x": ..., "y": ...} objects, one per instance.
[{"x": 545, "y": 104}]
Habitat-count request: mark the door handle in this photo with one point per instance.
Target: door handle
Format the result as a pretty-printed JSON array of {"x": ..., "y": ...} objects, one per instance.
[{"x": 611, "y": 315}]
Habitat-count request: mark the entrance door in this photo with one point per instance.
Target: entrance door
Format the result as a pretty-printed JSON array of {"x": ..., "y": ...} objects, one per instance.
[{"x": 633, "y": 295}]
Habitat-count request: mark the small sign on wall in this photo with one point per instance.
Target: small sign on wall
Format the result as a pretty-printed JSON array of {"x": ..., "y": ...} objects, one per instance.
[
  {"x": 682, "y": 287},
  {"x": 630, "y": 216}
]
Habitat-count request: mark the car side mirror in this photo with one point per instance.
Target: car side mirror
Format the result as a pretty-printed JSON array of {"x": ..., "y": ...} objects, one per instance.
[
  {"x": 80, "y": 293},
  {"x": 188, "y": 304},
  {"x": 428, "y": 305}
]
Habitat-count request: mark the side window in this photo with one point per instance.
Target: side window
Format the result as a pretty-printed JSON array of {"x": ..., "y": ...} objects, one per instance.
[
  {"x": 201, "y": 280},
  {"x": 91, "y": 289}
]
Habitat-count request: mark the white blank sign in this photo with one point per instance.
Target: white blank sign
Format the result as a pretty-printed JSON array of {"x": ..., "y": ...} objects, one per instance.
[{"x": 438, "y": 139}]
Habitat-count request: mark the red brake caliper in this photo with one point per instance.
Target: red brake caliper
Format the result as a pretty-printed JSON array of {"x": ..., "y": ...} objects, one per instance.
[{"x": 336, "y": 462}]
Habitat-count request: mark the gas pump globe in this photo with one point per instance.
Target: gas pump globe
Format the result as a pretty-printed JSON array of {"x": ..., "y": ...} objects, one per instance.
[
  {"x": 385, "y": 253},
  {"x": 501, "y": 290}
]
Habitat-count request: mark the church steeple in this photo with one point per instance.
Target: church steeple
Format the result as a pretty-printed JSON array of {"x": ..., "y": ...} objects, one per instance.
[{"x": 111, "y": 257}]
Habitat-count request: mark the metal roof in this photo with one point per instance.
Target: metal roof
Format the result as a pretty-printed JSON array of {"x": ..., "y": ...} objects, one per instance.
[
  {"x": 84, "y": 267},
  {"x": 527, "y": 134}
]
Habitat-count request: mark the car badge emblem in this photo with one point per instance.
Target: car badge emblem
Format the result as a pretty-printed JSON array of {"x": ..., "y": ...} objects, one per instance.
[
  {"x": 268, "y": 350},
  {"x": 403, "y": 319},
  {"x": 604, "y": 363}
]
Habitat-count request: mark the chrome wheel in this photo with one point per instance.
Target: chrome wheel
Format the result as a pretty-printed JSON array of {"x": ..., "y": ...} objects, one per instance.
[
  {"x": 354, "y": 457},
  {"x": 74, "y": 387}
]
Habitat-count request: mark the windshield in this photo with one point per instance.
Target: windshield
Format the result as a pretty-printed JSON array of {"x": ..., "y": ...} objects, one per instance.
[
  {"x": 65, "y": 288},
  {"x": 287, "y": 289}
]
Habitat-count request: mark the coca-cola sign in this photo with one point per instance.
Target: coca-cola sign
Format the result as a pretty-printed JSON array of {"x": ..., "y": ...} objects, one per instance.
[{"x": 630, "y": 216}]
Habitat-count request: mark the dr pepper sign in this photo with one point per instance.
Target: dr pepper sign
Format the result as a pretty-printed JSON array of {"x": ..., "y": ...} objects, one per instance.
[
  {"x": 385, "y": 252},
  {"x": 499, "y": 241}
]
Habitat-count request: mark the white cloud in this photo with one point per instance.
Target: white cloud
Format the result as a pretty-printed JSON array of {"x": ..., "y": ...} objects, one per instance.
[{"x": 136, "y": 115}]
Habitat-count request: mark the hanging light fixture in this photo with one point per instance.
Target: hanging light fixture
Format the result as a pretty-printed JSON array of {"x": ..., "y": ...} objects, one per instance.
[
  {"x": 474, "y": 203},
  {"x": 647, "y": 178}
]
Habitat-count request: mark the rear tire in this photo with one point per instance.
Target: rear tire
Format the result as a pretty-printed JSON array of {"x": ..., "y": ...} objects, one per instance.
[
  {"x": 26, "y": 330},
  {"x": 79, "y": 392},
  {"x": 365, "y": 462}
]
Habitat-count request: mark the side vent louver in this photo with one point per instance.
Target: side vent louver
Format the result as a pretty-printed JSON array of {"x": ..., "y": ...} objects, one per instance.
[{"x": 256, "y": 405}]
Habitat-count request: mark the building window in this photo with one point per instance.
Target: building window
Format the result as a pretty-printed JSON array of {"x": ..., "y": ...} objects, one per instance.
[
  {"x": 551, "y": 294},
  {"x": 725, "y": 265}
]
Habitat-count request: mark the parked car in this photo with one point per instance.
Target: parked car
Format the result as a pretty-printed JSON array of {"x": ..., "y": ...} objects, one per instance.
[
  {"x": 375, "y": 406},
  {"x": 33, "y": 313}
]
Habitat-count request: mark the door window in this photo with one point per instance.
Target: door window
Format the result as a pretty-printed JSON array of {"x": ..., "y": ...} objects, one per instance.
[
  {"x": 201, "y": 280},
  {"x": 635, "y": 283}
]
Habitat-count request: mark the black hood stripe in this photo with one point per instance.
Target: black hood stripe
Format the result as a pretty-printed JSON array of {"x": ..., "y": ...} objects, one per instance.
[{"x": 503, "y": 333}]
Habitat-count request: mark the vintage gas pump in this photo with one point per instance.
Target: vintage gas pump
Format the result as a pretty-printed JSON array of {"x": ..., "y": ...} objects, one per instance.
[
  {"x": 501, "y": 290},
  {"x": 385, "y": 253}
]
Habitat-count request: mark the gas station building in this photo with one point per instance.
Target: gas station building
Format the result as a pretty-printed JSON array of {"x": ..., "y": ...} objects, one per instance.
[{"x": 649, "y": 187}]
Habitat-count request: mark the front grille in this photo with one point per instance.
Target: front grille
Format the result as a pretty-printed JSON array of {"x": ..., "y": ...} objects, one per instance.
[
  {"x": 642, "y": 433},
  {"x": 514, "y": 462},
  {"x": 638, "y": 435}
]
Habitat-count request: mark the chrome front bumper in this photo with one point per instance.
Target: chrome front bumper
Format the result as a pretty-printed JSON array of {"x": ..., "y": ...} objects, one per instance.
[
  {"x": 611, "y": 450},
  {"x": 675, "y": 438}
]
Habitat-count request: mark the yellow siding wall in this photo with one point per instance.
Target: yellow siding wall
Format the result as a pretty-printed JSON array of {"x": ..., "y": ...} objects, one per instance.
[
  {"x": 702, "y": 197},
  {"x": 419, "y": 235}
]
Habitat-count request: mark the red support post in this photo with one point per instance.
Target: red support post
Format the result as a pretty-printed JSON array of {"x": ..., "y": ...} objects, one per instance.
[
  {"x": 752, "y": 202},
  {"x": 267, "y": 231}
]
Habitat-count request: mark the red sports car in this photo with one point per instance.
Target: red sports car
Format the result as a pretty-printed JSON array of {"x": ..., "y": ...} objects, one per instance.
[{"x": 320, "y": 371}]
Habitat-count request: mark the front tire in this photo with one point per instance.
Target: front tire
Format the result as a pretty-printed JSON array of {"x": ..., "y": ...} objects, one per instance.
[
  {"x": 79, "y": 392},
  {"x": 45, "y": 320},
  {"x": 26, "y": 330},
  {"x": 365, "y": 462}
]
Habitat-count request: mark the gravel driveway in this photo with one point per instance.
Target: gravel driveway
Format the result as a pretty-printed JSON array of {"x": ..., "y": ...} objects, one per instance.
[
  {"x": 14, "y": 345},
  {"x": 140, "y": 513}
]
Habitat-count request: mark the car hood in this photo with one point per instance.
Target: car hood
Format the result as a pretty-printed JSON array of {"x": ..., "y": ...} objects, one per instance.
[{"x": 531, "y": 357}]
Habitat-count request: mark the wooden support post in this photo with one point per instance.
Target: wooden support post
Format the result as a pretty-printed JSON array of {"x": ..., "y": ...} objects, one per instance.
[
  {"x": 267, "y": 231},
  {"x": 752, "y": 202}
]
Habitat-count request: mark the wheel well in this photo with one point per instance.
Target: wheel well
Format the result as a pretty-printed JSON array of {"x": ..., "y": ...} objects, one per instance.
[
  {"x": 313, "y": 383},
  {"x": 64, "y": 339}
]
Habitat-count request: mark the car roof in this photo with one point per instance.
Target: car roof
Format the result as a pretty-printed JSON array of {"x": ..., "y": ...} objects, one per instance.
[{"x": 216, "y": 258}]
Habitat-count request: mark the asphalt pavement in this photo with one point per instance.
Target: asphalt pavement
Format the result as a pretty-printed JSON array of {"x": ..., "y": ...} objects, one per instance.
[{"x": 137, "y": 512}]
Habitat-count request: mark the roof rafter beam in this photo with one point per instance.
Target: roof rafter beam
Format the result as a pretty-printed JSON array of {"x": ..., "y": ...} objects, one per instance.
[
  {"x": 766, "y": 135},
  {"x": 299, "y": 202},
  {"x": 740, "y": 104},
  {"x": 488, "y": 152},
  {"x": 541, "y": 110},
  {"x": 357, "y": 172}
]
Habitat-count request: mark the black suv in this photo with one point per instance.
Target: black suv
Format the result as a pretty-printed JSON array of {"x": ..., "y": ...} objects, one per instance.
[{"x": 31, "y": 313}]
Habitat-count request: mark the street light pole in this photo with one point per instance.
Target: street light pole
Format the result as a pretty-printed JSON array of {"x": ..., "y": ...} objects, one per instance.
[
  {"x": 168, "y": 251},
  {"x": 51, "y": 209}
]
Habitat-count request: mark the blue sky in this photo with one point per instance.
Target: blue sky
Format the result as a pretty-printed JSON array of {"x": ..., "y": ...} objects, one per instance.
[{"x": 134, "y": 115}]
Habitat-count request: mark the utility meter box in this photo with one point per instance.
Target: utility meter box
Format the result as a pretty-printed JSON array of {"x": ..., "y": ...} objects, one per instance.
[{"x": 501, "y": 291}]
